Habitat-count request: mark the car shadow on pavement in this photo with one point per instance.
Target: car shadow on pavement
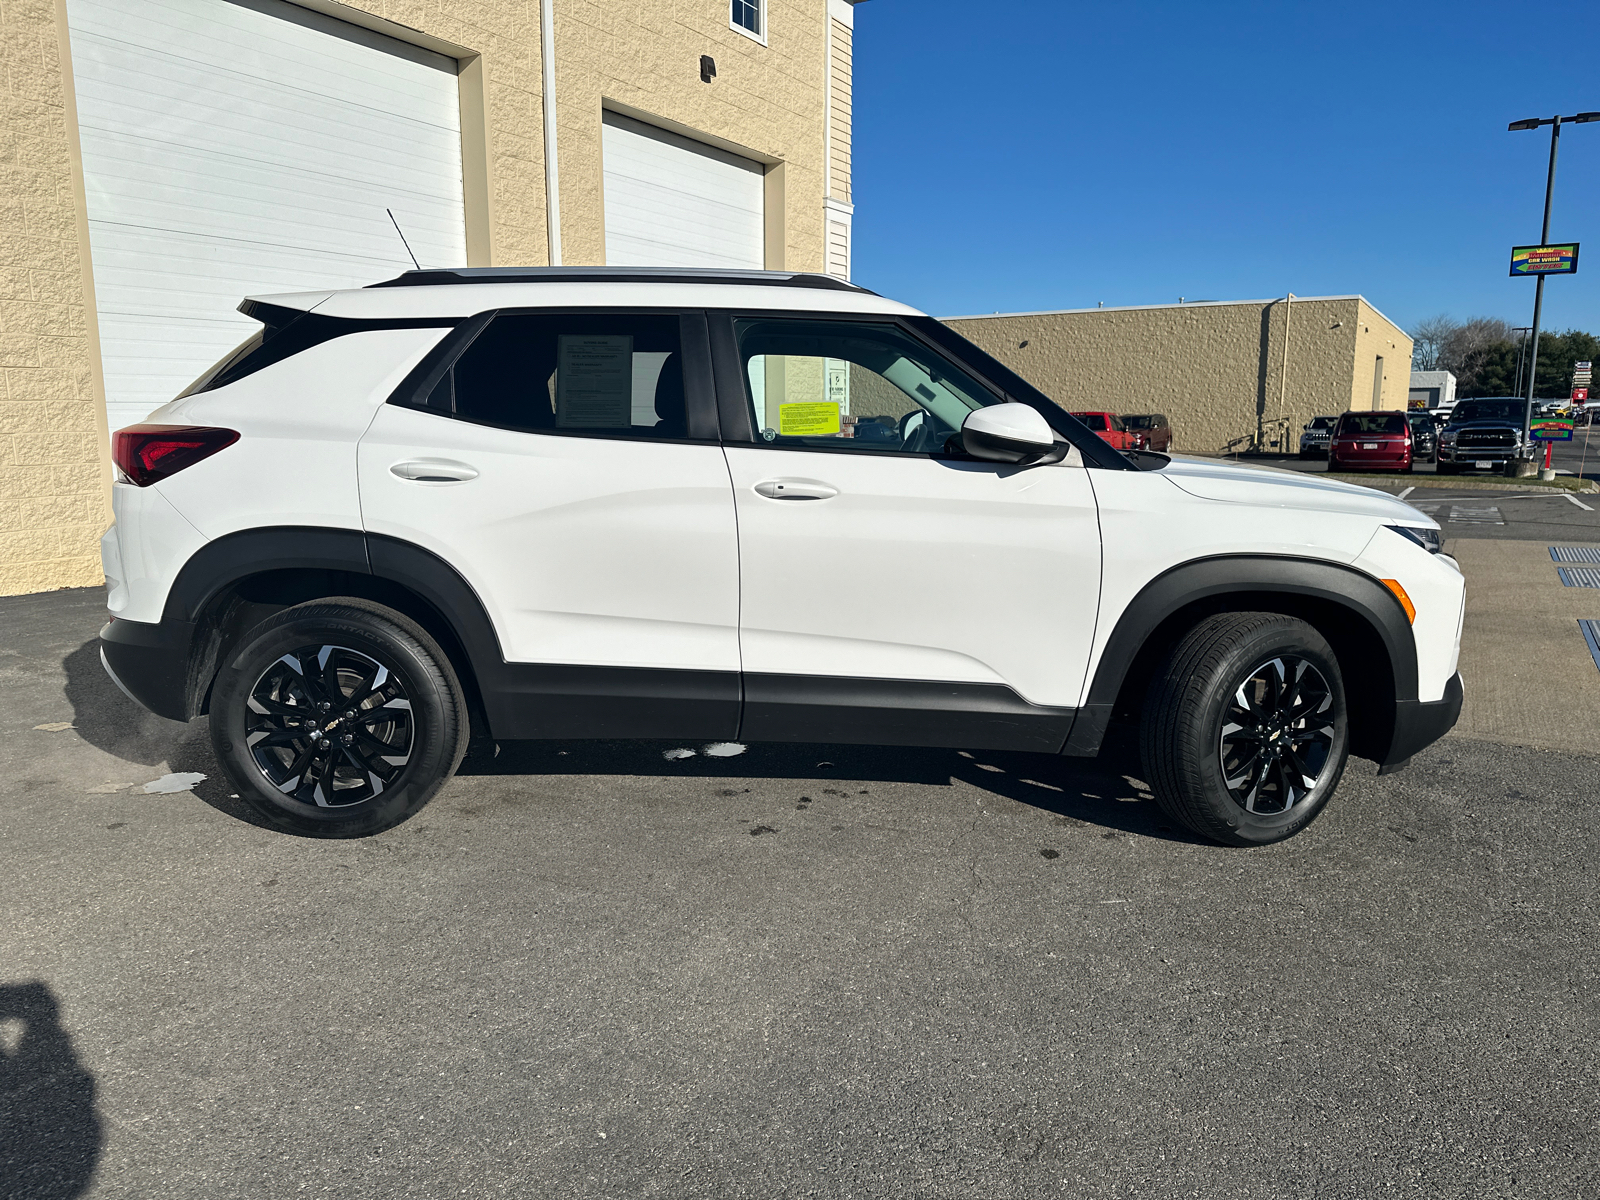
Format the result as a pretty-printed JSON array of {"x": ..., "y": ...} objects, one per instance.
[
  {"x": 1106, "y": 791},
  {"x": 50, "y": 1132},
  {"x": 109, "y": 721}
]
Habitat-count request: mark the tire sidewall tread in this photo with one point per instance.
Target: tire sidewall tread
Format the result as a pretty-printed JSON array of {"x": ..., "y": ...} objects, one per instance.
[
  {"x": 439, "y": 711},
  {"x": 1181, "y": 714}
]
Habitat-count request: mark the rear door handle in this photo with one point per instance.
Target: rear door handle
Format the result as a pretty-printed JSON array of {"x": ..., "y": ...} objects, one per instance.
[
  {"x": 434, "y": 470},
  {"x": 795, "y": 489}
]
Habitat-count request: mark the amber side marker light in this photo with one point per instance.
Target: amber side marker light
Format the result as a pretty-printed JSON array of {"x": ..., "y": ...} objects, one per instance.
[
  {"x": 1405, "y": 601},
  {"x": 147, "y": 454}
]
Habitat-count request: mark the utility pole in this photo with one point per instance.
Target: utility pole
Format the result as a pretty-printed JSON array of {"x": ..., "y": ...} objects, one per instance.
[{"x": 1555, "y": 124}]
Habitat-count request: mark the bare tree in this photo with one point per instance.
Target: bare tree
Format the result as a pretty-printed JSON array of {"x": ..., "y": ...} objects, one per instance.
[
  {"x": 1475, "y": 351},
  {"x": 1428, "y": 339}
]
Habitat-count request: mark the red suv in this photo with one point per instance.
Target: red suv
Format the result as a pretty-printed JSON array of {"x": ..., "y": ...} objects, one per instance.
[
  {"x": 1150, "y": 431},
  {"x": 1371, "y": 441},
  {"x": 1110, "y": 428}
]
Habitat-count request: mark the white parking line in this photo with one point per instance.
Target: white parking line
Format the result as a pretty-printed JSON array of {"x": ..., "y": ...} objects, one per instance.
[
  {"x": 1486, "y": 515},
  {"x": 1405, "y": 493},
  {"x": 1579, "y": 503}
]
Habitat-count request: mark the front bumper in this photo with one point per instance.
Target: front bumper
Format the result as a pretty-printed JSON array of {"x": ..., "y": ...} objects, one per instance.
[
  {"x": 1418, "y": 724},
  {"x": 1472, "y": 454},
  {"x": 150, "y": 663}
]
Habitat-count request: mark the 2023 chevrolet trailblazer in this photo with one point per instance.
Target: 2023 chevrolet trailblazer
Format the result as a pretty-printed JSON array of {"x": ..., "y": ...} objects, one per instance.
[{"x": 615, "y": 503}]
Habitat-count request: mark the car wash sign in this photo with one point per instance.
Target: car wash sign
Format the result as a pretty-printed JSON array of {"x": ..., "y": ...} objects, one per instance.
[{"x": 1544, "y": 260}]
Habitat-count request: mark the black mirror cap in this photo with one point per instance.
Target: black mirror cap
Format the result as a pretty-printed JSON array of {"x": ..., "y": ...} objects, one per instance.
[{"x": 992, "y": 448}]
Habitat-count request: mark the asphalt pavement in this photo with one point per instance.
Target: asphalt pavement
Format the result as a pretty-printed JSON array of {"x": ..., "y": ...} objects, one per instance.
[
  {"x": 587, "y": 970},
  {"x": 1503, "y": 511}
]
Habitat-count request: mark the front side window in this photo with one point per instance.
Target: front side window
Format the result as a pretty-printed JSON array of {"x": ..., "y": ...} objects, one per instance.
[
  {"x": 842, "y": 385},
  {"x": 605, "y": 376},
  {"x": 746, "y": 15}
]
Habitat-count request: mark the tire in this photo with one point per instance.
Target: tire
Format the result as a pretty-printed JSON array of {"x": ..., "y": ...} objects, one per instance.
[
  {"x": 343, "y": 786},
  {"x": 1193, "y": 702}
]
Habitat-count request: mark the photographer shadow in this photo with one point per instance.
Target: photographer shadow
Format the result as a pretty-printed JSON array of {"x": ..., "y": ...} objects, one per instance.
[{"x": 50, "y": 1133}]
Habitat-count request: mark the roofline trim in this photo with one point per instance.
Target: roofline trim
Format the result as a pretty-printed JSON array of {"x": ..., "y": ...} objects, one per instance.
[{"x": 487, "y": 275}]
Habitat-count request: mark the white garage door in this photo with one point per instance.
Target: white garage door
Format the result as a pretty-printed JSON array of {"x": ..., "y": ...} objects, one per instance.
[
  {"x": 673, "y": 202},
  {"x": 232, "y": 148}
]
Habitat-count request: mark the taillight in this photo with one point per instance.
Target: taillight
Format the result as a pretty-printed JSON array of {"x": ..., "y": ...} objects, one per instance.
[{"x": 147, "y": 454}]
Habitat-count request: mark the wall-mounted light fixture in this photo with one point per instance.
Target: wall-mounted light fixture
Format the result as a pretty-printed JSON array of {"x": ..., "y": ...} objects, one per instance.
[{"x": 708, "y": 68}]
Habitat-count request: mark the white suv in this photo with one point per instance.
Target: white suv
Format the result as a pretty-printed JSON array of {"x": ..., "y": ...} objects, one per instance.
[{"x": 616, "y": 503}]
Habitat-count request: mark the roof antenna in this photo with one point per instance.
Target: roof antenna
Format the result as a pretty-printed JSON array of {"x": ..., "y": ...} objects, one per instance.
[{"x": 403, "y": 241}]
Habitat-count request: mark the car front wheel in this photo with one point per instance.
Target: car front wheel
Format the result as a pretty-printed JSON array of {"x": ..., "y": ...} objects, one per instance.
[
  {"x": 1245, "y": 733},
  {"x": 337, "y": 718}
]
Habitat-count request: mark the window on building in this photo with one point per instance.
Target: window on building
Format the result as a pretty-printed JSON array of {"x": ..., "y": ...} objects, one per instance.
[{"x": 749, "y": 16}]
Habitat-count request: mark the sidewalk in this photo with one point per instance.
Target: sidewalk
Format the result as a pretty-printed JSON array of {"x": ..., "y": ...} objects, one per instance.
[{"x": 1530, "y": 679}]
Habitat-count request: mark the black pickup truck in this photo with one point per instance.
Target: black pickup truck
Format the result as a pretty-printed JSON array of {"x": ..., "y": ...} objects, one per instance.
[{"x": 1484, "y": 433}]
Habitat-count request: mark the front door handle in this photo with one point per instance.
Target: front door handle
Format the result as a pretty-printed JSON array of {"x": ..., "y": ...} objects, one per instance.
[
  {"x": 795, "y": 489},
  {"x": 434, "y": 470}
]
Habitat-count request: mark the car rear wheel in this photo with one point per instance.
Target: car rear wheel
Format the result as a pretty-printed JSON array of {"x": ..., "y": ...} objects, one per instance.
[
  {"x": 1245, "y": 733},
  {"x": 338, "y": 718}
]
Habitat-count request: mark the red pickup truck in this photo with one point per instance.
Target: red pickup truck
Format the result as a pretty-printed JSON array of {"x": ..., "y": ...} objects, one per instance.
[{"x": 1110, "y": 428}]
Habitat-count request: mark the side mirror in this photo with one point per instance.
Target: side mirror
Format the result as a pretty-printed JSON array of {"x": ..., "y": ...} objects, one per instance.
[{"x": 1010, "y": 433}]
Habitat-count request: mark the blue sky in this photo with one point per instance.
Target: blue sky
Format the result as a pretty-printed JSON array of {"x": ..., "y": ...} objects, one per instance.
[{"x": 1033, "y": 155}]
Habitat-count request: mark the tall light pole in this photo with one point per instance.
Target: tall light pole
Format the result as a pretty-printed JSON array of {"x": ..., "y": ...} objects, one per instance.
[{"x": 1555, "y": 124}]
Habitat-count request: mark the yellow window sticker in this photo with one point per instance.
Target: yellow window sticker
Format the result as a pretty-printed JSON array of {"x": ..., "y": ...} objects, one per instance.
[{"x": 811, "y": 419}]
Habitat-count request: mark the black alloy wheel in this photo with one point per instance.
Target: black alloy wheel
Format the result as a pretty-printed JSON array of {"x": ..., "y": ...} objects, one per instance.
[
  {"x": 1277, "y": 736},
  {"x": 337, "y": 718},
  {"x": 1245, "y": 734},
  {"x": 330, "y": 726}
]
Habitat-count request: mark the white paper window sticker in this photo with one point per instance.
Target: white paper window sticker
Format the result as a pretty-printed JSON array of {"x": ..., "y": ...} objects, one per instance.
[{"x": 594, "y": 381}]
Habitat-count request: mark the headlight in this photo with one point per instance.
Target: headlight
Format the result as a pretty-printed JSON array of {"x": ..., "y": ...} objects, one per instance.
[{"x": 1431, "y": 540}]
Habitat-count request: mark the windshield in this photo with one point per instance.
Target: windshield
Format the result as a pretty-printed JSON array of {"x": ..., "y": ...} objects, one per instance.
[
  {"x": 1095, "y": 421},
  {"x": 1321, "y": 423},
  {"x": 1488, "y": 410},
  {"x": 1138, "y": 422},
  {"x": 1357, "y": 423}
]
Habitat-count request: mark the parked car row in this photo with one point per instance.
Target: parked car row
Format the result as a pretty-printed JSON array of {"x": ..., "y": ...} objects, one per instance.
[
  {"x": 1131, "y": 431},
  {"x": 1482, "y": 433}
]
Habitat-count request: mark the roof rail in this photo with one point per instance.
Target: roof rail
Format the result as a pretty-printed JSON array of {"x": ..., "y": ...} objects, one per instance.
[{"x": 459, "y": 275}]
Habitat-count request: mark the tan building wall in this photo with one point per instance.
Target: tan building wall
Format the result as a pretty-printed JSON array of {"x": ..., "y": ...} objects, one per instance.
[
  {"x": 766, "y": 102},
  {"x": 1217, "y": 369},
  {"x": 769, "y": 102},
  {"x": 54, "y": 465}
]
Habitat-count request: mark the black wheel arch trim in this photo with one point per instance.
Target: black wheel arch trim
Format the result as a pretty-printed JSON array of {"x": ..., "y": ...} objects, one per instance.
[
  {"x": 1207, "y": 579},
  {"x": 170, "y": 667}
]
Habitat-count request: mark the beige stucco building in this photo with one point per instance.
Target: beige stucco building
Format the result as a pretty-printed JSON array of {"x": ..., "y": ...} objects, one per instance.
[
  {"x": 690, "y": 132},
  {"x": 1225, "y": 373}
]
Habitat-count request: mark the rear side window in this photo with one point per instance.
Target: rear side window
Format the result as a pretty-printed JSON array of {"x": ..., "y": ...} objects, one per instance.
[
  {"x": 601, "y": 375},
  {"x": 284, "y": 333}
]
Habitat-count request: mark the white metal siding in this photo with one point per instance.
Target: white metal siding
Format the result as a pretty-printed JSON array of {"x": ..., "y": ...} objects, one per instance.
[
  {"x": 673, "y": 202},
  {"x": 244, "y": 147}
]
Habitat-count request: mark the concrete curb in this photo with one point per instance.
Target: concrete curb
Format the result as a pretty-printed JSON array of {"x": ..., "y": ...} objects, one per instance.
[{"x": 1467, "y": 482}]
